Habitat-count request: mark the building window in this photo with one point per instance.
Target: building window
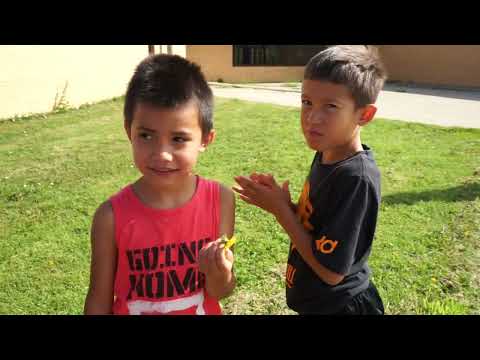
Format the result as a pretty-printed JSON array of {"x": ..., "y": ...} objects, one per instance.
[{"x": 274, "y": 55}]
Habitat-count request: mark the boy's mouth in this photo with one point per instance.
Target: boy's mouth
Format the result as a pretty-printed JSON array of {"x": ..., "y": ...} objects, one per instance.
[
  {"x": 163, "y": 171},
  {"x": 314, "y": 133}
]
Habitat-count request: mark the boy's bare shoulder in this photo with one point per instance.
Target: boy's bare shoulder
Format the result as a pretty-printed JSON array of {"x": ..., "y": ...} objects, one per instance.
[
  {"x": 226, "y": 194},
  {"x": 104, "y": 214},
  {"x": 105, "y": 209},
  {"x": 103, "y": 228}
]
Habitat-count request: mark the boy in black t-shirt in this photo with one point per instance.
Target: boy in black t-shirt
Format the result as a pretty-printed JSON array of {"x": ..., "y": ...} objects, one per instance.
[{"x": 332, "y": 227}]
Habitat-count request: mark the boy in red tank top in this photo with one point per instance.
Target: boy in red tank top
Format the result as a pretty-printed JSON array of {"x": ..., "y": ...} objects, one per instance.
[{"x": 154, "y": 243}]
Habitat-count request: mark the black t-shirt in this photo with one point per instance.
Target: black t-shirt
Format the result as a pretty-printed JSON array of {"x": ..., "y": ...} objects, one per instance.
[{"x": 338, "y": 206}]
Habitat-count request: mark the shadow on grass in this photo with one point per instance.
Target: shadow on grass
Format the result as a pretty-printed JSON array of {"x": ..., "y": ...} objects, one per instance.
[{"x": 468, "y": 191}]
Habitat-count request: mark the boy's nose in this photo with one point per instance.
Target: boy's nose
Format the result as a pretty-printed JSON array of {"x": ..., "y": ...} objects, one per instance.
[
  {"x": 315, "y": 117},
  {"x": 165, "y": 156},
  {"x": 163, "y": 153}
]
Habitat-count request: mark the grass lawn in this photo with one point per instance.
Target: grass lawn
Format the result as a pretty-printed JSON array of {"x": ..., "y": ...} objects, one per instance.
[{"x": 56, "y": 169}]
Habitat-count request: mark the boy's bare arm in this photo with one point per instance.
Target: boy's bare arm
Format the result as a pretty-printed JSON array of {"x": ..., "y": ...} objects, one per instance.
[
  {"x": 272, "y": 198},
  {"x": 215, "y": 261},
  {"x": 99, "y": 298},
  {"x": 302, "y": 241},
  {"x": 227, "y": 211}
]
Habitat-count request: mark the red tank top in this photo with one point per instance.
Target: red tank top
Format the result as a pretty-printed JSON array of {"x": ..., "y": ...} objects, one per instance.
[{"x": 157, "y": 267}]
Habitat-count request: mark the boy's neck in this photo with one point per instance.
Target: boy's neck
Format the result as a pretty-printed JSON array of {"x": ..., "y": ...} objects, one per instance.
[
  {"x": 165, "y": 197},
  {"x": 342, "y": 152}
]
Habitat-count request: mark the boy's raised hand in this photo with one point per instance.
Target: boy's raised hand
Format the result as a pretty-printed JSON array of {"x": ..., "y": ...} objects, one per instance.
[
  {"x": 264, "y": 179},
  {"x": 263, "y": 191},
  {"x": 269, "y": 180}
]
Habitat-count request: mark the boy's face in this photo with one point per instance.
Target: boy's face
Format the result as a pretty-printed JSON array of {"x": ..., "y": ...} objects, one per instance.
[
  {"x": 166, "y": 142},
  {"x": 329, "y": 118}
]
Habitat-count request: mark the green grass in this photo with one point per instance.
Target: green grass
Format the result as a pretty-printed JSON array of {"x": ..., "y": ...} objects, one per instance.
[{"x": 56, "y": 169}]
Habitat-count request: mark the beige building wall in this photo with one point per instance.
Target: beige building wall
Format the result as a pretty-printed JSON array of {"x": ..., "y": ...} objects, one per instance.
[
  {"x": 31, "y": 75},
  {"x": 217, "y": 63},
  {"x": 457, "y": 65},
  {"x": 447, "y": 65}
]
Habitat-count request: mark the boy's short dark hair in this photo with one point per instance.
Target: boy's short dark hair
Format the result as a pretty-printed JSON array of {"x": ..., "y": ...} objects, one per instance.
[
  {"x": 358, "y": 67},
  {"x": 168, "y": 81}
]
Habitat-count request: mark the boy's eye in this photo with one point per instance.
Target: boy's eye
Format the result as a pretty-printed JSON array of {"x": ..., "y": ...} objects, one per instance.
[
  {"x": 306, "y": 102},
  {"x": 145, "y": 136},
  {"x": 179, "y": 139},
  {"x": 332, "y": 106}
]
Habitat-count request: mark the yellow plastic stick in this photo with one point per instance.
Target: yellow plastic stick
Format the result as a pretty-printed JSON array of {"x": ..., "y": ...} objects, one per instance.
[{"x": 228, "y": 242}]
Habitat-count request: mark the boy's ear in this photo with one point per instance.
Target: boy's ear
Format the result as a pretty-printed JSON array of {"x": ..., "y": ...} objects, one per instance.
[
  {"x": 207, "y": 140},
  {"x": 128, "y": 130},
  {"x": 368, "y": 113}
]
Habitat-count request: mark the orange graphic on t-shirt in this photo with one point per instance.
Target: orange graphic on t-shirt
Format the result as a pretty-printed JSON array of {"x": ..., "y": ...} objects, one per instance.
[
  {"x": 305, "y": 208},
  {"x": 325, "y": 246},
  {"x": 290, "y": 275}
]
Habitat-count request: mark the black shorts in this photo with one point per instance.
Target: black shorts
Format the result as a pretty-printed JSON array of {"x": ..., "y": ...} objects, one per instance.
[{"x": 368, "y": 302}]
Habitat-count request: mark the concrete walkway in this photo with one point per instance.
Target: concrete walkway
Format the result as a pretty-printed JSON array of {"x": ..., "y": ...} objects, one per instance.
[{"x": 408, "y": 103}]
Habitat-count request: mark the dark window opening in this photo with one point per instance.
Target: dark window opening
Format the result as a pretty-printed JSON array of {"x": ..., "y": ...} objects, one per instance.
[{"x": 274, "y": 55}]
